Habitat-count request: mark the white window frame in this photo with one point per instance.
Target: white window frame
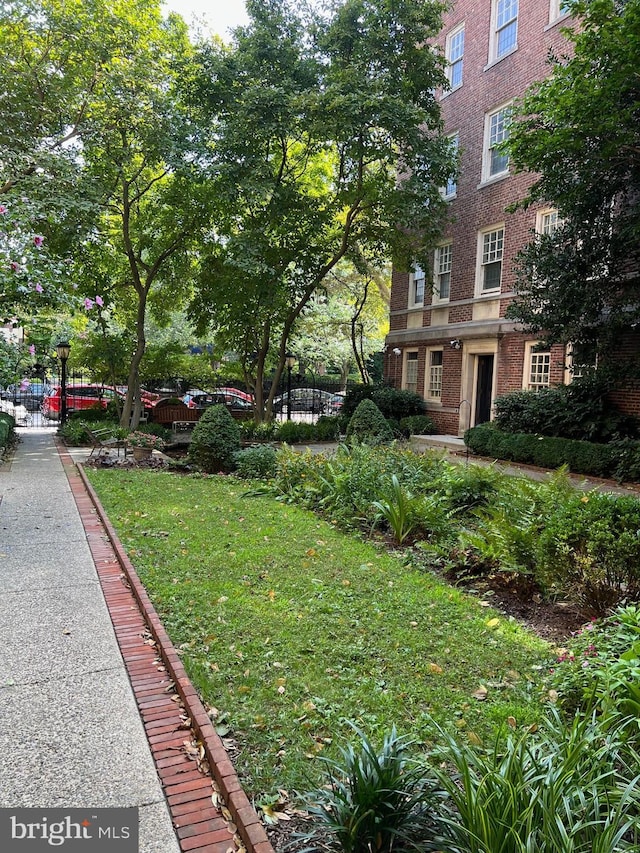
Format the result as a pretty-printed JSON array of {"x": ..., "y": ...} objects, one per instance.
[
  {"x": 489, "y": 251},
  {"x": 415, "y": 276},
  {"x": 433, "y": 376},
  {"x": 410, "y": 370},
  {"x": 442, "y": 265},
  {"x": 556, "y": 11},
  {"x": 547, "y": 221},
  {"x": 537, "y": 363},
  {"x": 454, "y": 53},
  {"x": 451, "y": 189},
  {"x": 504, "y": 17},
  {"x": 496, "y": 130}
]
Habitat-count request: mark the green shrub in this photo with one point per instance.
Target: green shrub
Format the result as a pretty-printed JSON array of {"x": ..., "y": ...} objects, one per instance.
[
  {"x": 76, "y": 430},
  {"x": 7, "y": 428},
  {"x": 589, "y": 548},
  {"x": 581, "y": 457},
  {"x": 257, "y": 463},
  {"x": 374, "y": 801},
  {"x": 264, "y": 431},
  {"x": 418, "y": 425},
  {"x": 394, "y": 403},
  {"x": 578, "y": 411},
  {"x": 369, "y": 425},
  {"x": 327, "y": 428},
  {"x": 215, "y": 440},
  {"x": 292, "y": 432}
]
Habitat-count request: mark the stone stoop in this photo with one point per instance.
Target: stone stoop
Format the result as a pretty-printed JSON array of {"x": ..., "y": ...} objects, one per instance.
[{"x": 450, "y": 443}]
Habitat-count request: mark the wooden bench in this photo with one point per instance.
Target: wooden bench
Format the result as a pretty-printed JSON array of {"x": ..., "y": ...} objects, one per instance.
[{"x": 104, "y": 440}]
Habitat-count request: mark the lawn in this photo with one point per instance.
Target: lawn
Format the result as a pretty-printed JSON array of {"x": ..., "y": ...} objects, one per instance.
[{"x": 290, "y": 627}]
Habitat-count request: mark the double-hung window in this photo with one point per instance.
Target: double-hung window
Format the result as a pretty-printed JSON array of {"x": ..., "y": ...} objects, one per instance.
[
  {"x": 505, "y": 33},
  {"x": 416, "y": 288},
  {"x": 442, "y": 272},
  {"x": 558, "y": 9},
  {"x": 538, "y": 368},
  {"x": 434, "y": 375},
  {"x": 547, "y": 222},
  {"x": 454, "y": 51},
  {"x": 491, "y": 249},
  {"x": 496, "y": 131},
  {"x": 411, "y": 371},
  {"x": 451, "y": 189}
]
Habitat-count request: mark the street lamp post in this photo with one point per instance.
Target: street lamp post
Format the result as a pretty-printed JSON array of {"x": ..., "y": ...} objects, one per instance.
[
  {"x": 63, "y": 349},
  {"x": 290, "y": 360}
]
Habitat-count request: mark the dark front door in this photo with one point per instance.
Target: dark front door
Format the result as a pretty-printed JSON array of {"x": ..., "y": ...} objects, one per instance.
[{"x": 484, "y": 388}]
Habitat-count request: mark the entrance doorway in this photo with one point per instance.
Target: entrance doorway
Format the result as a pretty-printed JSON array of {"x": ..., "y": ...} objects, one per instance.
[{"x": 484, "y": 388}]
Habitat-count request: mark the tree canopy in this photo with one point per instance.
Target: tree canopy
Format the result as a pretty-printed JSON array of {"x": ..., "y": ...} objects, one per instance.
[
  {"x": 325, "y": 136},
  {"x": 580, "y": 131}
]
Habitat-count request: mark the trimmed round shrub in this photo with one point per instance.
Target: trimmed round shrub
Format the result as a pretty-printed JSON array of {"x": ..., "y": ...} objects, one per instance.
[
  {"x": 369, "y": 425},
  {"x": 256, "y": 463},
  {"x": 215, "y": 441}
]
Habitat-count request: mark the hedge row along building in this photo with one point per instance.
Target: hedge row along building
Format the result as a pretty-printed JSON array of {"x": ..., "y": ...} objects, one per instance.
[{"x": 449, "y": 339}]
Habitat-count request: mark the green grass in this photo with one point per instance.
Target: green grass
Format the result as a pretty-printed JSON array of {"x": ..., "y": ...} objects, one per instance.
[{"x": 291, "y": 628}]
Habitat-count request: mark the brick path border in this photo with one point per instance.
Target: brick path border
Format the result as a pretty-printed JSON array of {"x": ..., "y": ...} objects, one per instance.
[{"x": 170, "y": 708}]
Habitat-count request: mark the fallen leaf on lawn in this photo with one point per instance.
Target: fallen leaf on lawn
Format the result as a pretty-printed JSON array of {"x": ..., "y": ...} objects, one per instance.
[
  {"x": 493, "y": 623},
  {"x": 474, "y": 739},
  {"x": 272, "y": 594},
  {"x": 433, "y": 667},
  {"x": 553, "y": 695},
  {"x": 480, "y": 694},
  {"x": 222, "y": 599},
  {"x": 511, "y": 721}
]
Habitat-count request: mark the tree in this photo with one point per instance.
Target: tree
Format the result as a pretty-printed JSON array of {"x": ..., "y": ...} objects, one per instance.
[
  {"x": 580, "y": 131},
  {"x": 344, "y": 323},
  {"x": 325, "y": 135},
  {"x": 135, "y": 153},
  {"x": 53, "y": 57}
]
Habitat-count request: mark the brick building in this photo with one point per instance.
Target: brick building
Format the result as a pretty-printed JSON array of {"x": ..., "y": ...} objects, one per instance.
[{"x": 449, "y": 339}]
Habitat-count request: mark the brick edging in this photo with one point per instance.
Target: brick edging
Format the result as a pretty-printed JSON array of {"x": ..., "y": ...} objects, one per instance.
[{"x": 244, "y": 815}]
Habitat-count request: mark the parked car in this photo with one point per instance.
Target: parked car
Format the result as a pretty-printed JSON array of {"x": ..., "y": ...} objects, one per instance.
[
  {"x": 224, "y": 395},
  {"x": 29, "y": 393},
  {"x": 334, "y": 405},
  {"x": 79, "y": 398},
  {"x": 239, "y": 408},
  {"x": 304, "y": 400}
]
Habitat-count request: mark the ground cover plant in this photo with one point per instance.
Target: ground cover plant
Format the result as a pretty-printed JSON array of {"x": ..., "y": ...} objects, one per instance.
[{"x": 292, "y": 628}]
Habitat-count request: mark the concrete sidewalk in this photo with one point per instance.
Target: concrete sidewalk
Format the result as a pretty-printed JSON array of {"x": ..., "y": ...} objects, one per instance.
[{"x": 70, "y": 732}]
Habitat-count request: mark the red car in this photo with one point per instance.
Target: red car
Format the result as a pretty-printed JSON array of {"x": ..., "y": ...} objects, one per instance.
[{"x": 81, "y": 397}]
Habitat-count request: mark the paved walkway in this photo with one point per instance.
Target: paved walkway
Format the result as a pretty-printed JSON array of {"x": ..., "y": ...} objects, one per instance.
[{"x": 95, "y": 708}]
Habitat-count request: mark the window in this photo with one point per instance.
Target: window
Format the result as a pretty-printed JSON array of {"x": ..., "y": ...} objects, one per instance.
[
  {"x": 558, "y": 9},
  {"x": 452, "y": 184},
  {"x": 539, "y": 369},
  {"x": 454, "y": 51},
  {"x": 416, "y": 287},
  {"x": 491, "y": 251},
  {"x": 442, "y": 272},
  {"x": 411, "y": 372},
  {"x": 505, "y": 28},
  {"x": 434, "y": 378},
  {"x": 496, "y": 131},
  {"x": 547, "y": 222}
]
